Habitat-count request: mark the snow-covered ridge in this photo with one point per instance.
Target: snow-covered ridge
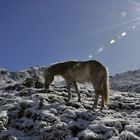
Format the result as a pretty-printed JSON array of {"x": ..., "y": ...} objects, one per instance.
[
  {"x": 19, "y": 76},
  {"x": 127, "y": 81}
]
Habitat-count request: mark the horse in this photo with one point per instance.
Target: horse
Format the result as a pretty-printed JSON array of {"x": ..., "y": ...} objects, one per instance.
[{"x": 81, "y": 71}]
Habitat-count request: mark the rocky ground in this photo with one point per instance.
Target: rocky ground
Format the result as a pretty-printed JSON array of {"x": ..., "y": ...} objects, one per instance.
[{"x": 28, "y": 111}]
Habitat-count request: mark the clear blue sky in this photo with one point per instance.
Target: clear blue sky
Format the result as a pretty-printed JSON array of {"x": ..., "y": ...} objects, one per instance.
[{"x": 42, "y": 32}]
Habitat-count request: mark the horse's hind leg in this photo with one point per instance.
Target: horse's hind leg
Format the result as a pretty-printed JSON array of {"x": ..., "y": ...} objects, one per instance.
[
  {"x": 77, "y": 91},
  {"x": 102, "y": 105},
  {"x": 97, "y": 89}
]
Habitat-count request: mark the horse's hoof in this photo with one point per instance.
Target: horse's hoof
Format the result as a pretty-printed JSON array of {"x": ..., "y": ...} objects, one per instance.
[
  {"x": 79, "y": 100},
  {"x": 94, "y": 107},
  {"x": 101, "y": 109},
  {"x": 68, "y": 100},
  {"x": 94, "y": 110}
]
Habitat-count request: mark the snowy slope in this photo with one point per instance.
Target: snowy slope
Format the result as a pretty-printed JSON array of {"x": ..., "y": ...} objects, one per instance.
[
  {"x": 127, "y": 81},
  {"x": 29, "y": 112}
]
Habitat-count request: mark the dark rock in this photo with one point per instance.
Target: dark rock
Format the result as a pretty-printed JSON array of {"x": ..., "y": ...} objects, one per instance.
[
  {"x": 29, "y": 82},
  {"x": 75, "y": 105}
]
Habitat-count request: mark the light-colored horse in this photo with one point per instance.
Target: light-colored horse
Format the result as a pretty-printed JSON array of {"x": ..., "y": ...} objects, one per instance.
[{"x": 81, "y": 71}]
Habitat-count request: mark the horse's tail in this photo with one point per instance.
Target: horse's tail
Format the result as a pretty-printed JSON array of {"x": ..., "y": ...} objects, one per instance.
[{"x": 105, "y": 86}]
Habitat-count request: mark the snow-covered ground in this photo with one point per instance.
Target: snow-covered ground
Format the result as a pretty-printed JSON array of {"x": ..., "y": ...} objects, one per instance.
[{"x": 27, "y": 111}]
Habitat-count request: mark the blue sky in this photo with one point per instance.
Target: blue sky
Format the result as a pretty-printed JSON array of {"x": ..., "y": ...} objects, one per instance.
[{"x": 42, "y": 32}]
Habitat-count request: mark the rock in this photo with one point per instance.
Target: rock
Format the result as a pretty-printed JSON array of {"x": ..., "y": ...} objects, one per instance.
[
  {"x": 3, "y": 120},
  {"x": 54, "y": 111},
  {"x": 56, "y": 132},
  {"x": 75, "y": 105},
  {"x": 87, "y": 135},
  {"x": 37, "y": 82},
  {"x": 133, "y": 128},
  {"x": 138, "y": 115},
  {"x": 29, "y": 82},
  {"x": 77, "y": 126},
  {"x": 103, "y": 131},
  {"x": 126, "y": 135}
]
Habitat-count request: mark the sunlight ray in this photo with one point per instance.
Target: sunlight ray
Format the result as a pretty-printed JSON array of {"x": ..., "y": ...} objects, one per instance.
[
  {"x": 107, "y": 29},
  {"x": 134, "y": 2}
]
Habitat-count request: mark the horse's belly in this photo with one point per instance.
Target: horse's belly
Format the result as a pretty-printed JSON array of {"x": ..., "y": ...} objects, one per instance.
[{"x": 82, "y": 77}]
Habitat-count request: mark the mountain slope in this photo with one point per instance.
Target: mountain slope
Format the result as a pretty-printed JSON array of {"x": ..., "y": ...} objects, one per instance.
[{"x": 29, "y": 112}]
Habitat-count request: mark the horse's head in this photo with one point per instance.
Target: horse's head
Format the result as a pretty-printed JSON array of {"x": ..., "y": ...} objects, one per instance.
[{"x": 48, "y": 79}]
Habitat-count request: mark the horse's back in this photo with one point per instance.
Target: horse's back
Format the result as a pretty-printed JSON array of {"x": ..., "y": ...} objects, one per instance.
[{"x": 83, "y": 71}]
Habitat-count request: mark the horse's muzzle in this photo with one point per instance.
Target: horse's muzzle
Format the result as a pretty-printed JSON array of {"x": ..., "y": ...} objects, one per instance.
[{"x": 46, "y": 86}]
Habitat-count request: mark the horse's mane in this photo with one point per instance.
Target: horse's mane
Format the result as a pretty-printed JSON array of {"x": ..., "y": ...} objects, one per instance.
[{"x": 57, "y": 68}]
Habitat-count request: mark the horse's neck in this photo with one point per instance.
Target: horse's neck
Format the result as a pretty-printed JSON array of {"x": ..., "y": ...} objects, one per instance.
[{"x": 55, "y": 70}]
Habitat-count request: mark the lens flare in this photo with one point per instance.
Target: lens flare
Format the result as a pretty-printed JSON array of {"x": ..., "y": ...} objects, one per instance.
[
  {"x": 112, "y": 41},
  {"x": 123, "y": 34},
  {"x": 100, "y": 49},
  {"x": 90, "y": 56}
]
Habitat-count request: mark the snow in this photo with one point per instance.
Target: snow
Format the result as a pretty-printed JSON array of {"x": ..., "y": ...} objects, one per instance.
[{"x": 27, "y": 112}]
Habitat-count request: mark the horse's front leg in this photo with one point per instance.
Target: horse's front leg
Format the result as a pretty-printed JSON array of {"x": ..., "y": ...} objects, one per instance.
[
  {"x": 96, "y": 99},
  {"x": 68, "y": 86},
  {"x": 77, "y": 91}
]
